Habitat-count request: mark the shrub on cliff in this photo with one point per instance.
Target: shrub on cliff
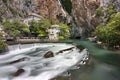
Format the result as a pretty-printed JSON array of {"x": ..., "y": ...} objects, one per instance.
[
  {"x": 2, "y": 46},
  {"x": 99, "y": 11},
  {"x": 1, "y": 35},
  {"x": 110, "y": 33}
]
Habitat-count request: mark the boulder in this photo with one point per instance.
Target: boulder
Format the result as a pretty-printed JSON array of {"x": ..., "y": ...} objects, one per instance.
[
  {"x": 19, "y": 60},
  {"x": 93, "y": 39},
  {"x": 68, "y": 49},
  {"x": 98, "y": 42},
  {"x": 19, "y": 72},
  {"x": 49, "y": 54}
]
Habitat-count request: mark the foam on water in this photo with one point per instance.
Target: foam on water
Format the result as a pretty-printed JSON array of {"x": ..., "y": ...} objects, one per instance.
[{"x": 37, "y": 67}]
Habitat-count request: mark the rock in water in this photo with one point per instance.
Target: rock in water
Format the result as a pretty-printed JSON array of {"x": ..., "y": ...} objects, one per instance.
[
  {"x": 19, "y": 60},
  {"x": 49, "y": 54},
  {"x": 19, "y": 72},
  {"x": 61, "y": 51}
]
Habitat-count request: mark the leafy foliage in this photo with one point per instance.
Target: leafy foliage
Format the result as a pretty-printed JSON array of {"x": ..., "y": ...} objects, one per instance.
[
  {"x": 110, "y": 33},
  {"x": 2, "y": 46},
  {"x": 111, "y": 9},
  {"x": 61, "y": 38},
  {"x": 64, "y": 31},
  {"x": 1, "y": 15},
  {"x": 15, "y": 28},
  {"x": 98, "y": 11},
  {"x": 1, "y": 35},
  {"x": 105, "y": 12},
  {"x": 39, "y": 27}
]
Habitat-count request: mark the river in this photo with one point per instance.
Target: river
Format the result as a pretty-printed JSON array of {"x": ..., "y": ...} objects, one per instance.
[
  {"x": 27, "y": 61},
  {"x": 101, "y": 65}
]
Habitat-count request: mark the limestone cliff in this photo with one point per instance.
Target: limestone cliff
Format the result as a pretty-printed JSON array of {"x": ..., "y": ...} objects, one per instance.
[
  {"x": 83, "y": 12},
  {"x": 50, "y": 8},
  {"x": 79, "y": 14},
  {"x": 15, "y": 9}
]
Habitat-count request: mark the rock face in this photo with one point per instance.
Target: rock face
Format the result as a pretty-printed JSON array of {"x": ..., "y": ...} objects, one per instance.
[
  {"x": 108, "y": 8},
  {"x": 79, "y": 14},
  {"x": 83, "y": 12},
  {"x": 116, "y": 3},
  {"x": 49, "y": 54},
  {"x": 50, "y": 8},
  {"x": 16, "y": 9}
]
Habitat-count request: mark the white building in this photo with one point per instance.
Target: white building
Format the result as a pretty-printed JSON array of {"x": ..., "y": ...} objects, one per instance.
[{"x": 53, "y": 33}]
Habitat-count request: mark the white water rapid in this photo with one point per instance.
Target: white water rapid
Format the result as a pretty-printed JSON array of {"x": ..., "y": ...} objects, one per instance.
[{"x": 35, "y": 66}]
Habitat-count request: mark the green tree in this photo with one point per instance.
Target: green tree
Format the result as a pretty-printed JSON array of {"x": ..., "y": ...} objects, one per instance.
[
  {"x": 7, "y": 26},
  {"x": 110, "y": 33},
  {"x": 45, "y": 23},
  {"x": 15, "y": 28},
  {"x": 33, "y": 26},
  {"x": 99, "y": 11},
  {"x": 1, "y": 35},
  {"x": 64, "y": 31},
  {"x": 2, "y": 46},
  {"x": 40, "y": 27},
  {"x": 111, "y": 9},
  {"x": 20, "y": 28}
]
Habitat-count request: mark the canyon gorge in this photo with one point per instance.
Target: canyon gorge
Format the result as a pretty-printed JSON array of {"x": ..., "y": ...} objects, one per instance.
[{"x": 80, "y": 15}]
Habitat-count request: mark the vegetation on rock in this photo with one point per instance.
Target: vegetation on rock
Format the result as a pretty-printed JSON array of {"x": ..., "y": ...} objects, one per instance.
[
  {"x": 104, "y": 13},
  {"x": 1, "y": 35},
  {"x": 110, "y": 33},
  {"x": 2, "y": 46},
  {"x": 99, "y": 11}
]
